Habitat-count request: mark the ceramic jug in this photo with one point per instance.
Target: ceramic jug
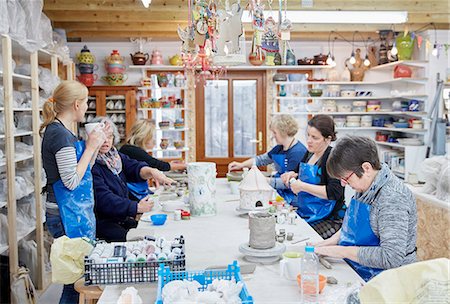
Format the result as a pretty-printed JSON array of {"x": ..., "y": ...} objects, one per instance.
[
  {"x": 85, "y": 56},
  {"x": 405, "y": 46},
  {"x": 139, "y": 58},
  {"x": 157, "y": 57},
  {"x": 114, "y": 58}
]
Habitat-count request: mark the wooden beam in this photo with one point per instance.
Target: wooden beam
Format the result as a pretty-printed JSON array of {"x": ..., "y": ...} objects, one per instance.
[{"x": 158, "y": 5}]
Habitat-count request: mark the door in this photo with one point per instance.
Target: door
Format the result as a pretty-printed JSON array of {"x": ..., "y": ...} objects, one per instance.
[{"x": 231, "y": 118}]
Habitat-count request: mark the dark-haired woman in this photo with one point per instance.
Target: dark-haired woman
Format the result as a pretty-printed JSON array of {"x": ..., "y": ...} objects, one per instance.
[{"x": 320, "y": 198}]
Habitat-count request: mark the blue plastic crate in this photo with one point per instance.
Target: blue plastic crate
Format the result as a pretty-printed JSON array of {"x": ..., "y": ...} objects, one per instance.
[{"x": 204, "y": 277}]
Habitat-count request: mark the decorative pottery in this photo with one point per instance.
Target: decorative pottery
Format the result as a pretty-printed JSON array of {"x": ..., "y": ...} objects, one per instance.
[
  {"x": 254, "y": 190},
  {"x": 320, "y": 59},
  {"x": 85, "y": 56},
  {"x": 262, "y": 230},
  {"x": 139, "y": 58},
  {"x": 405, "y": 46},
  {"x": 146, "y": 82},
  {"x": 277, "y": 59},
  {"x": 402, "y": 71},
  {"x": 115, "y": 78},
  {"x": 290, "y": 58},
  {"x": 256, "y": 58},
  {"x": 202, "y": 188},
  {"x": 164, "y": 143},
  {"x": 114, "y": 68},
  {"x": 157, "y": 58},
  {"x": 162, "y": 80},
  {"x": 176, "y": 60},
  {"x": 178, "y": 144},
  {"x": 180, "y": 81},
  {"x": 87, "y": 68},
  {"x": 115, "y": 58},
  {"x": 87, "y": 79}
]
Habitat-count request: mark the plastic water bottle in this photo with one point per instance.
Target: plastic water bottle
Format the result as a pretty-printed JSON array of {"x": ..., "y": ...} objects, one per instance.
[{"x": 310, "y": 276}]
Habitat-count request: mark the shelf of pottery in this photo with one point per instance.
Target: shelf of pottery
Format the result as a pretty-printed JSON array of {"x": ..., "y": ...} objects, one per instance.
[
  {"x": 25, "y": 86},
  {"x": 387, "y": 105},
  {"x": 163, "y": 97}
]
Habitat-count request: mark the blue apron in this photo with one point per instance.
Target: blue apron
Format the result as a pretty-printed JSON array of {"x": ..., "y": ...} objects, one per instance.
[
  {"x": 356, "y": 231},
  {"x": 310, "y": 207},
  {"x": 77, "y": 206},
  {"x": 281, "y": 163},
  {"x": 139, "y": 189}
]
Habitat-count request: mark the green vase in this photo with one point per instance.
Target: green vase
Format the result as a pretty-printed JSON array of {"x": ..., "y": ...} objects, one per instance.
[{"x": 405, "y": 47}]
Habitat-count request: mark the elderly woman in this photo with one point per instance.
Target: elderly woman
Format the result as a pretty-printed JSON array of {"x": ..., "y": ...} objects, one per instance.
[
  {"x": 320, "y": 198},
  {"x": 379, "y": 229},
  {"x": 115, "y": 211},
  {"x": 286, "y": 155}
]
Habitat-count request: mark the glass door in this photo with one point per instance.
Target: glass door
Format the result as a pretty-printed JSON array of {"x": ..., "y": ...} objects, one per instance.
[{"x": 231, "y": 118}]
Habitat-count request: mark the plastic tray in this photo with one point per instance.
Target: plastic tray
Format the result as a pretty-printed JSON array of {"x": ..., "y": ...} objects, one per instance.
[
  {"x": 204, "y": 277},
  {"x": 123, "y": 273}
]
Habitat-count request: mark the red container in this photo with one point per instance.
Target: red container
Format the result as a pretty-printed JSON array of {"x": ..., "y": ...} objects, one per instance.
[
  {"x": 87, "y": 79},
  {"x": 402, "y": 71},
  {"x": 381, "y": 137}
]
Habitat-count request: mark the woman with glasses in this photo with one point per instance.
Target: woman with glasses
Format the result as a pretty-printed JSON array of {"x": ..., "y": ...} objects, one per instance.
[
  {"x": 379, "y": 229},
  {"x": 320, "y": 198}
]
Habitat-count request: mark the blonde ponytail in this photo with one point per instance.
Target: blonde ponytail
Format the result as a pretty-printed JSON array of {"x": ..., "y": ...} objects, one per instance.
[{"x": 64, "y": 96}]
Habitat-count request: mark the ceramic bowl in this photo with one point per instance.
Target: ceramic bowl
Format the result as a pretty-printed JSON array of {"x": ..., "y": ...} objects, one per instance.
[
  {"x": 297, "y": 77},
  {"x": 322, "y": 281},
  {"x": 401, "y": 125},
  {"x": 178, "y": 144},
  {"x": 158, "y": 219},
  {"x": 348, "y": 93},
  {"x": 315, "y": 92}
]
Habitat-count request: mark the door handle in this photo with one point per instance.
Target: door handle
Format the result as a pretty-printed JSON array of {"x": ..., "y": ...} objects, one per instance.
[{"x": 258, "y": 141}]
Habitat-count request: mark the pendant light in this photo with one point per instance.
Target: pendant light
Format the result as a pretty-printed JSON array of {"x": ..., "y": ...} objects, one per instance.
[
  {"x": 435, "y": 51},
  {"x": 352, "y": 57},
  {"x": 146, "y": 3}
]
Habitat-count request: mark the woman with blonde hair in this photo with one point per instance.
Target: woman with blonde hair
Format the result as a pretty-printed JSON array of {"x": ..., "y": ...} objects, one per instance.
[
  {"x": 140, "y": 141},
  {"x": 67, "y": 163},
  {"x": 286, "y": 155}
]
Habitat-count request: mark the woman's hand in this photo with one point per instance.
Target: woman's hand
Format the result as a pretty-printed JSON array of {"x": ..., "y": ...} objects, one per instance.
[
  {"x": 95, "y": 139},
  {"x": 176, "y": 165},
  {"x": 160, "y": 178},
  {"x": 145, "y": 205},
  {"x": 285, "y": 177},
  {"x": 296, "y": 186},
  {"x": 233, "y": 166}
]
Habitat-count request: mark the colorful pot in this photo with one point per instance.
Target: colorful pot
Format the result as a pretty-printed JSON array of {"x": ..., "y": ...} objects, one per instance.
[
  {"x": 157, "y": 58},
  {"x": 402, "y": 71},
  {"x": 115, "y": 78},
  {"x": 87, "y": 79},
  {"x": 162, "y": 80},
  {"x": 256, "y": 58},
  {"x": 85, "y": 56},
  {"x": 114, "y": 68},
  {"x": 405, "y": 46},
  {"x": 164, "y": 143},
  {"x": 115, "y": 58},
  {"x": 86, "y": 68},
  {"x": 139, "y": 58}
]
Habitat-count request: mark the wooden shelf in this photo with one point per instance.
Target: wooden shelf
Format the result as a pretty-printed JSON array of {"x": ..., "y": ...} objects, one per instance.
[
  {"x": 409, "y": 113},
  {"x": 411, "y": 63},
  {"x": 162, "y": 89},
  {"x": 157, "y": 67},
  {"x": 404, "y": 130},
  {"x": 392, "y": 81},
  {"x": 164, "y": 109},
  {"x": 350, "y": 98},
  {"x": 235, "y": 68},
  {"x": 17, "y": 76},
  {"x": 172, "y": 130},
  {"x": 17, "y": 159}
]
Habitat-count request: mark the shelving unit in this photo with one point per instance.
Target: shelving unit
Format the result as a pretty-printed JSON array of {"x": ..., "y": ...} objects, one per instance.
[
  {"x": 13, "y": 81},
  {"x": 171, "y": 113},
  {"x": 383, "y": 87}
]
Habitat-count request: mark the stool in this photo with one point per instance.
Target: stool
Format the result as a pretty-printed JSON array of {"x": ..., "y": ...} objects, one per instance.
[{"x": 89, "y": 293}]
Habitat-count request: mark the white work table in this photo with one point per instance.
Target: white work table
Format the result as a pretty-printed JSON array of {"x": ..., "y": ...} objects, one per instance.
[{"x": 215, "y": 240}]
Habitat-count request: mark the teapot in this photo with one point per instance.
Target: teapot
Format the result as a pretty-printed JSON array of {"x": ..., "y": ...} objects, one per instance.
[
  {"x": 402, "y": 71},
  {"x": 176, "y": 60},
  {"x": 114, "y": 58},
  {"x": 85, "y": 56},
  {"x": 139, "y": 58}
]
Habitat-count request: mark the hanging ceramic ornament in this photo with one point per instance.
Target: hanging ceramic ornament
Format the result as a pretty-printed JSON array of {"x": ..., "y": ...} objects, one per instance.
[
  {"x": 256, "y": 56},
  {"x": 229, "y": 28},
  {"x": 270, "y": 38}
]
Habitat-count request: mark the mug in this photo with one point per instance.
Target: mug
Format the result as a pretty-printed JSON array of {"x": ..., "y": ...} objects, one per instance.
[
  {"x": 290, "y": 265},
  {"x": 93, "y": 125}
]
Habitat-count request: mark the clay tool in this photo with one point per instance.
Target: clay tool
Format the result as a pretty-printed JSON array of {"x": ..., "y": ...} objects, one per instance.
[
  {"x": 324, "y": 262},
  {"x": 299, "y": 241}
]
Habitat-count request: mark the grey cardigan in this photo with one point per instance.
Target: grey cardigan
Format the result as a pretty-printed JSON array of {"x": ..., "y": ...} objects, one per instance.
[{"x": 393, "y": 219}]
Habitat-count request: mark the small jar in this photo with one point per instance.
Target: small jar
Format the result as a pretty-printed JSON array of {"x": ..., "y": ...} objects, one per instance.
[{"x": 417, "y": 124}]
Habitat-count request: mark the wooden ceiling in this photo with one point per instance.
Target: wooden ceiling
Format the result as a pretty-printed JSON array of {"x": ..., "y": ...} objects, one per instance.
[{"x": 86, "y": 20}]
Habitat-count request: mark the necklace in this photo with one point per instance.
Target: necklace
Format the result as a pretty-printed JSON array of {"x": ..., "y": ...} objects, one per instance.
[{"x": 290, "y": 144}]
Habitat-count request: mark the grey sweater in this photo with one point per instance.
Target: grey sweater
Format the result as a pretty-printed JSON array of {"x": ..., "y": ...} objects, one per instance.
[{"x": 393, "y": 219}]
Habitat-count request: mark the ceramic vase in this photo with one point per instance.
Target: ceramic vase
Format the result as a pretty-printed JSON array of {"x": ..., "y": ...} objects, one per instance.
[
  {"x": 262, "y": 230},
  {"x": 202, "y": 188}
]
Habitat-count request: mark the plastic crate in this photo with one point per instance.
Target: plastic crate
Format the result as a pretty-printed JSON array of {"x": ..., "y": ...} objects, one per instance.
[
  {"x": 204, "y": 277},
  {"x": 122, "y": 273}
]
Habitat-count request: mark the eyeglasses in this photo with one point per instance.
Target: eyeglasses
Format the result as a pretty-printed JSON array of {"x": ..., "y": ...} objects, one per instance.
[{"x": 345, "y": 179}]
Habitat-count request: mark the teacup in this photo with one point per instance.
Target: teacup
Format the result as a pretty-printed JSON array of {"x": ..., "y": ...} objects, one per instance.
[
  {"x": 290, "y": 265},
  {"x": 92, "y": 126}
]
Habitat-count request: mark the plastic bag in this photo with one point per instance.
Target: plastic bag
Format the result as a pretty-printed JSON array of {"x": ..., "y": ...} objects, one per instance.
[
  {"x": 17, "y": 22},
  {"x": 33, "y": 11},
  {"x": 24, "y": 121},
  {"x": 46, "y": 32},
  {"x": 28, "y": 256},
  {"x": 22, "y": 288},
  {"x": 435, "y": 171},
  {"x": 47, "y": 81},
  {"x": 3, "y": 229},
  {"x": 67, "y": 259},
  {"x": 4, "y": 25}
]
